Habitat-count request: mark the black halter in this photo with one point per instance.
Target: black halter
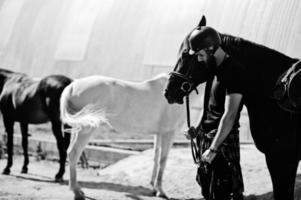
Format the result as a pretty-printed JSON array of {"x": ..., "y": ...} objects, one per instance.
[
  {"x": 187, "y": 84},
  {"x": 195, "y": 149},
  {"x": 186, "y": 87}
]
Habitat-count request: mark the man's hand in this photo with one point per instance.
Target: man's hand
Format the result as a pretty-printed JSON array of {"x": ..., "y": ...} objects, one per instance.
[
  {"x": 190, "y": 133},
  {"x": 209, "y": 155}
]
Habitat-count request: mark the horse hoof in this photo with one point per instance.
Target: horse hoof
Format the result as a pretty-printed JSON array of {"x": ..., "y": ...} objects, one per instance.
[
  {"x": 24, "y": 171},
  {"x": 80, "y": 195},
  {"x": 161, "y": 195},
  {"x": 59, "y": 179},
  {"x": 79, "y": 198},
  {"x": 6, "y": 171}
]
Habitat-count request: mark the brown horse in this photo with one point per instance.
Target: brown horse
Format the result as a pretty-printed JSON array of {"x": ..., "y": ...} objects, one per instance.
[{"x": 32, "y": 101}]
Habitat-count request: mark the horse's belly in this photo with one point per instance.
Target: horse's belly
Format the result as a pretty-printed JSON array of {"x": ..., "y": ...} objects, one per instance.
[
  {"x": 32, "y": 117},
  {"x": 139, "y": 119},
  {"x": 31, "y": 111},
  {"x": 134, "y": 126}
]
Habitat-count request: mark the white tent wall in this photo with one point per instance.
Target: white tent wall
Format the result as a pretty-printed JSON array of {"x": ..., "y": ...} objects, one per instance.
[
  {"x": 131, "y": 39},
  {"x": 269, "y": 22}
]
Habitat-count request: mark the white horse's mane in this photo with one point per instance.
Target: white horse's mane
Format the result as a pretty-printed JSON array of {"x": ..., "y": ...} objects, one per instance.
[{"x": 161, "y": 76}]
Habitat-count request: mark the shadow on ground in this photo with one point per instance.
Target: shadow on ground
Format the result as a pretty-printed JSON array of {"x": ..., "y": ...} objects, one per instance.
[
  {"x": 138, "y": 190},
  {"x": 30, "y": 177},
  {"x": 134, "y": 192},
  {"x": 269, "y": 195}
]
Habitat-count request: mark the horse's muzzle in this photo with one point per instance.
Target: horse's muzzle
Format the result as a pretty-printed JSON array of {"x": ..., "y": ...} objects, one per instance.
[
  {"x": 171, "y": 100},
  {"x": 168, "y": 97}
]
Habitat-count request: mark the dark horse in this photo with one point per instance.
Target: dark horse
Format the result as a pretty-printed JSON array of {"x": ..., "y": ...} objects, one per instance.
[
  {"x": 32, "y": 101},
  {"x": 275, "y": 131}
]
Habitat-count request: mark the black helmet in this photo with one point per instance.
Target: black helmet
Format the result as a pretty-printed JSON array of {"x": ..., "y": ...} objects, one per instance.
[{"x": 204, "y": 37}]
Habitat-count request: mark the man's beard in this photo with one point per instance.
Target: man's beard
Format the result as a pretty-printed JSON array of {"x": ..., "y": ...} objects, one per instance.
[
  {"x": 206, "y": 68},
  {"x": 211, "y": 63},
  {"x": 211, "y": 66}
]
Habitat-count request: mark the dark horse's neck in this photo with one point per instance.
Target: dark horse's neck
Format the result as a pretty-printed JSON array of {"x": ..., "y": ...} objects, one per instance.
[
  {"x": 259, "y": 60},
  {"x": 249, "y": 52},
  {"x": 254, "y": 55}
]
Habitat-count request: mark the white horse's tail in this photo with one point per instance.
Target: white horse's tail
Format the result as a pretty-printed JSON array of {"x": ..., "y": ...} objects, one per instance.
[{"x": 90, "y": 116}]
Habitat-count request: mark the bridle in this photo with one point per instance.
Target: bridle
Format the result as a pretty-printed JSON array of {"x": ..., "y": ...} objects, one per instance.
[
  {"x": 187, "y": 83},
  {"x": 186, "y": 87}
]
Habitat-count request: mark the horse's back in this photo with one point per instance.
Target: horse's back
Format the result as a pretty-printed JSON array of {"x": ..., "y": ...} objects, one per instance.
[
  {"x": 88, "y": 90},
  {"x": 53, "y": 85},
  {"x": 98, "y": 88},
  {"x": 254, "y": 54},
  {"x": 130, "y": 106}
]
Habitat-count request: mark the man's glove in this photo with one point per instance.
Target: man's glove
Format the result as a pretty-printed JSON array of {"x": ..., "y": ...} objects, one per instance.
[{"x": 190, "y": 133}]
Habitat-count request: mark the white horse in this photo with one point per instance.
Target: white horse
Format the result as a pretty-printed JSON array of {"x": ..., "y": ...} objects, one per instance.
[{"x": 88, "y": 103}]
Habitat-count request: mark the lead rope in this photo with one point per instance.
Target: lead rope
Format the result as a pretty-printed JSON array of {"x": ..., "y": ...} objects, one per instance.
[
  {"x": 196, "y": 153},
  {"x": 194, "y": 149}
]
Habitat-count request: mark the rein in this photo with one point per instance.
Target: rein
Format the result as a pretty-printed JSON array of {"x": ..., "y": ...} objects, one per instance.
[
  {"x": 186, "y": 87},
  {"x": 194, "y": 149}
]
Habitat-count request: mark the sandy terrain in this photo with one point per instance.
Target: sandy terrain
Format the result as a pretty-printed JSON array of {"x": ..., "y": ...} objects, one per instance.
[{"x": 128, "y": 179}]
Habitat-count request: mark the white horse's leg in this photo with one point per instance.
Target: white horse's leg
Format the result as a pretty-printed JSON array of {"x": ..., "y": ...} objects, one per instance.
[
  {"x": 166, "y": 143},
  {"x": 157, "y": 146},
  {"x": 78, "y": 142}
]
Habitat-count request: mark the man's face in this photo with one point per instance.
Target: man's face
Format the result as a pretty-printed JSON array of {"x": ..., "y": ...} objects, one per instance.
[
  {"x": 202, "y": 56},
  {"x": 207, "y": 57}
]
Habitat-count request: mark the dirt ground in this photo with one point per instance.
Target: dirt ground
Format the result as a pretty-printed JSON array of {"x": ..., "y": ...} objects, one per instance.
[{"x": 129, "y": 179}]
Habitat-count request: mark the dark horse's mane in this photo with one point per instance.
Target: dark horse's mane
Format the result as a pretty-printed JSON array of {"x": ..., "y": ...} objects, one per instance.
[
  {"x": 257, "y": 58},
  {"x": 6, "y": 73},
  {"x": 244, "y": 50}
]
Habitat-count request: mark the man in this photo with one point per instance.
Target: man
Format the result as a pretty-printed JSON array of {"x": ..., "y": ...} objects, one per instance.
[
  {"x": 246, "y": 82},
  {"x": 222, "y": 180}
]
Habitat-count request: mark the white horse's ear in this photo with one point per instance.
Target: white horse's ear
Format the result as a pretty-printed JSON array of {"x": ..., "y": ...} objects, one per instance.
[{"x": 203, "y": 21}]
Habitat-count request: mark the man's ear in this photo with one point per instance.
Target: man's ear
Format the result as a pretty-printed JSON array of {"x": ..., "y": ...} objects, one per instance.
[{"x": 203, "y": 21}]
